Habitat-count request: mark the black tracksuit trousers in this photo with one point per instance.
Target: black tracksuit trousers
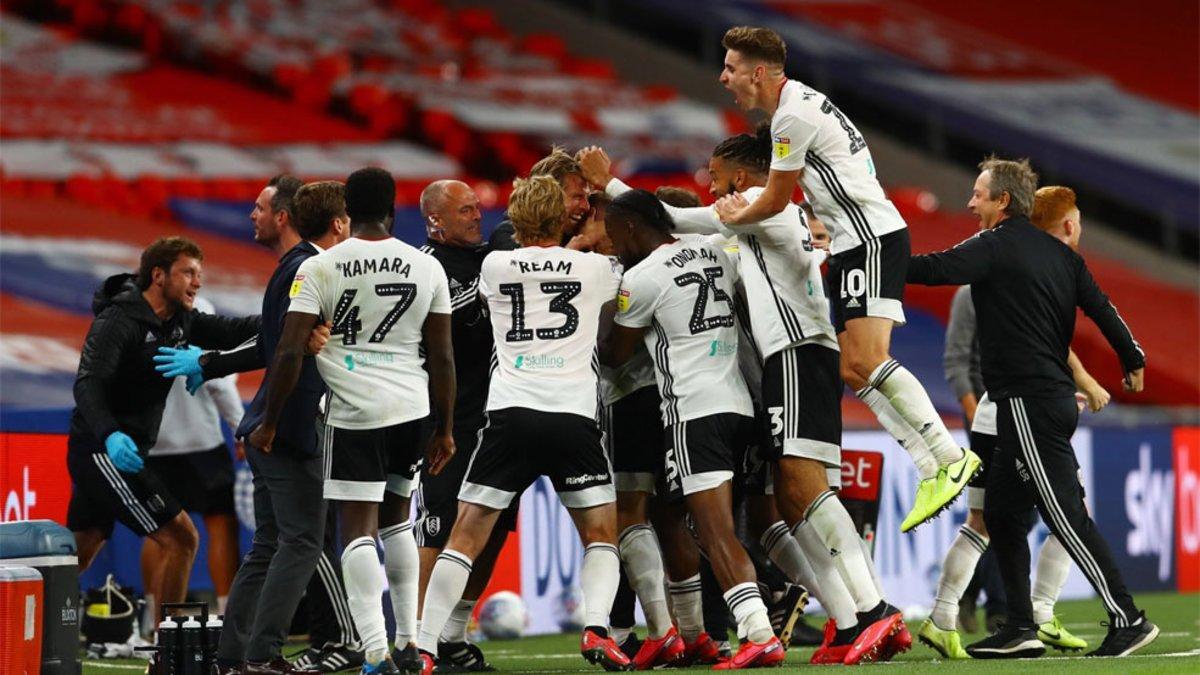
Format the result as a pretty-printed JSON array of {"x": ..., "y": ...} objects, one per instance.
[{"x": 1034, "y": 465}]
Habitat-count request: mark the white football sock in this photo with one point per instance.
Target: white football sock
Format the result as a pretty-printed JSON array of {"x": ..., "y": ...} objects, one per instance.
[
  {"x": 687, "y": 604},
  {"x": 456, "y": 625},
  {"x": 402, "y": 564},
  {"x": 784, "y": 551},
  {"x": 1053, "y": 566},
  {"x": 599, "y": 575},
  {"x": 957, "y": 570},
  {"x": 910, "y": 400},
  {"x": 829, "y": 587},
  {"x": 745, "y": 601},
  {"x": 644, "y": 567},
  {"x": 364, "y": 593},
  {"x": 905, "y": 435},
  {"x": 833, "y": 525},
  {"x": 869, "y": 558},
  {"x": 446, "y": 585}
]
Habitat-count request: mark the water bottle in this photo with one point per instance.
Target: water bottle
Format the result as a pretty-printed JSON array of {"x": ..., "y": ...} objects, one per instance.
[
  {"x": 192, "y": 654},
  {"x": 169, "y": 647},
  {"x": 212, "y": 637}
]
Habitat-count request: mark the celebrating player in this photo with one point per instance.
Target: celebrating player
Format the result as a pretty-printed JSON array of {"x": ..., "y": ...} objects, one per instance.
[
  {"x": 817, "y": 145},
  {"x": 545, "y": 304},
  {"x": 385, "y": 299},
  {"x": 680, "y": 290}
]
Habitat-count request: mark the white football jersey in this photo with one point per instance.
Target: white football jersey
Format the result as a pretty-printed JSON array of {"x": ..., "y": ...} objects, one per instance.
[
  {"x": 377, "y": 294},
  {"x": 545, "y": 311},
  {"x": 779, "y": 269},
  {"x": 808, "y": 132},
  {"x": 683, "y": 293}
]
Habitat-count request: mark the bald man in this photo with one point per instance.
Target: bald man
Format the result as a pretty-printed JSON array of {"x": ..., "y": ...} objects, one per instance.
[{"x": 452, "y": 222}]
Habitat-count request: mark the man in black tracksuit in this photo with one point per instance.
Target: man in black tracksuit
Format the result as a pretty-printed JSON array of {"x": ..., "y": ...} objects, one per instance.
[
  {"x": 119, "y": 400},
  {"x": 453, "y": 221},
  {"x": 1025, "y": 285}
]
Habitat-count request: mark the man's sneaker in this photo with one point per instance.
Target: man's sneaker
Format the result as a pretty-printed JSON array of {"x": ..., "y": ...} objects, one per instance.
[
  {"x": 462, "y": 657},
  {"x": 308, "y": 659},
  {"x": 879, "y": 625},
  {"x": 755, "y": 655},
  {"x": 384, "y": 667},
  {"x": 786, "y": 611},
  {"x": 834, "y": 647},
  {"x": 331, "y": 659},
  {"x": 662, "y": 651},
  {"x": 702, "y": 651},
  {"x": 603, "y": 651},
  {"x": 408, "y": 660},
  {"x": 1009, "y": 643},
  {"x": 944, "y": 642},
  {"x": 1125, "y": 641},
  {"x": 934, "y": 495},
  {"x": 806, "y": 634},
  {"x": 1053, "y": 634}
]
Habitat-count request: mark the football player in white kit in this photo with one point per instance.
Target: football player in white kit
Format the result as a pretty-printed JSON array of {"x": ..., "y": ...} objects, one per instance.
[
  {"x": 801, "y": 392},
  {"x": 677, "y": 297},
  {"x": 386, "y": 299},
  {"x": 543, "y": 400},
  {"x": 819, "y": 147}
]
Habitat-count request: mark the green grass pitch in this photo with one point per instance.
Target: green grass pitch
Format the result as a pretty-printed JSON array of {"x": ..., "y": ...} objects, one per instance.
[{"x": 1177, "y": 649}]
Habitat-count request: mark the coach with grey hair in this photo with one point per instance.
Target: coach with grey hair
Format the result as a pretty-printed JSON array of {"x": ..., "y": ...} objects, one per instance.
[{"x": 1025, "y": 285}]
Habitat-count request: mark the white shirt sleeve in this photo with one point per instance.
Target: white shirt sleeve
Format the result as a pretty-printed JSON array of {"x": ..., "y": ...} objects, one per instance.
[
  {"x": 791, "y": 137},
  {"x": 440, "y": 304},
  {"x": 636, "y": 300},
  {"x": 689, "y": 220},
  {"x": 224, "y": 393},
  {"x": 306, "y": 292}
]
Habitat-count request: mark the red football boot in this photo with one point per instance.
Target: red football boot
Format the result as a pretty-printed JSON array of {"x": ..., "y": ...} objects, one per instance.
[
  {"x": 754, "y": 655},
  {"x": 662, "y": 651},
  {"x": 603, "y": 651},
  {"x": 829, "y": 653},
  {"x": 702, "y": 651},
  {"x": 900, "y": 642},
  {"x": 428, "y": 663},
  {"x": 869, "y": 645}
]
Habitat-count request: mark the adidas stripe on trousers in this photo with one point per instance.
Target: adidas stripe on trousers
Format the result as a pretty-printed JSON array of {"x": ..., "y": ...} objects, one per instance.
[{"x": 1034, "y": 465}]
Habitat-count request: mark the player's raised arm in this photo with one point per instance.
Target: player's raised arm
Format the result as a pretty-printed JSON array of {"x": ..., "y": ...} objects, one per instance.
[{"x": 734, "y": 210}]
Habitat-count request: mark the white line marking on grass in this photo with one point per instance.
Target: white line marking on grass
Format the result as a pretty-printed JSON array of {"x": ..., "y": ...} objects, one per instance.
[{"x": 114, "y": 666}]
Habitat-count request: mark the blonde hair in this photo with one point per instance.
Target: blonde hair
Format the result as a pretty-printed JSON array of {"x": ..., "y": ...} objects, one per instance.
[
  {"x": 1051, "y": 205},
  {"x": 558, "y": 165},
  {"x": 536, "y": 209}
]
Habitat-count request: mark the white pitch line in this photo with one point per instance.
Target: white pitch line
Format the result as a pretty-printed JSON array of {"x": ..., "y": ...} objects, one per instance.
[{"x": 87, "y": 663}]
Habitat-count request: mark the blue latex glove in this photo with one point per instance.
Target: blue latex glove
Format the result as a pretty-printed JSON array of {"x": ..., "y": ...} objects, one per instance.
[
  {"x": 175, "y": 362},
  {"x": 194, "y": 382},
  {"x": 123, "y": 452}
]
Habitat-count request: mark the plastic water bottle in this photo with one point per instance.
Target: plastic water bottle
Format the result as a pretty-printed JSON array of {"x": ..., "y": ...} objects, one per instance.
[
  {"x": 193, "y": 647},
  {"x": 212, "y": 637},
  {"x": 169, "y": 643}
]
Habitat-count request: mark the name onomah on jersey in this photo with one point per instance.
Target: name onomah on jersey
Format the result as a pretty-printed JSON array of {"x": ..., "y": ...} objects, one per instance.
[{"x": 688, "y": 254}]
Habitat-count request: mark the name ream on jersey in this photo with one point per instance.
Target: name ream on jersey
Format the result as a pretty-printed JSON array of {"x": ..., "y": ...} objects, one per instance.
[
  {"x": 354, "y": 268},
  {"x": 561, "y": 266},
  {"x": 687, "y": 255}
]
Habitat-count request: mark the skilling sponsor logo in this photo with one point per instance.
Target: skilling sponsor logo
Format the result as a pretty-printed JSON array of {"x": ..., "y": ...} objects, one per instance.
[{"x": 538, "y": 362}]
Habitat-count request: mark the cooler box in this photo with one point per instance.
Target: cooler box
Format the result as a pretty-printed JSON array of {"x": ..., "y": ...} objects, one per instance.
[
  {"x": 49, "y": 548},
  {"x": 20, "y": 620}
]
